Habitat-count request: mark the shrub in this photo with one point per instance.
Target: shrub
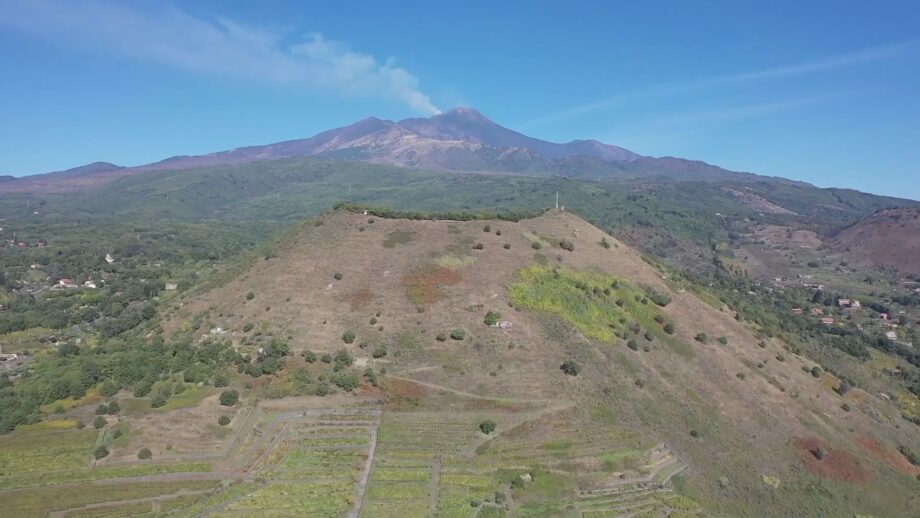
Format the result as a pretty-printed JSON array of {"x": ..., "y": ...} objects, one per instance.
[
  {"x": 114, "y": 408},
  {"x": 487, "y": 228},
  {"x": 605, "y": 243},
  {"x": 370, "y": 376},
  {"x": 309, "y": 356},
  {"x": 458, "y": 334},
  {"x": 108, "y": 389},
  {"x": 669, "y": 328},
  {"x": 144, "y": 454},
  {"x": 565, "y": 244},
  {"x": 220, "y": 380},
  {"x": 373, "y": 321},
  {"x": 229, "y": 397},
  {"x": 570, "y": 367},
  {"x": 492, "y": 318},
  {"x": 346, "y": 381},
  {"x": 740, "y": 375},
  {"x": 506, "y": 246},
  {"x": 101, "y": 452},
  {"x": 819, "y": 453},
  {"x": 102, "y": 409},
  {"x": 657, "y": 297},
  {"x": 478, "y": 246},
  {"x": 117, "y": 433},
  {"x": 816, "y": 371},
  {"x": 845, "y": 407},
  {"x": 348, "y": 337},
  {"x": 142, "y": 388},
  {"x": 701, "y": 338},
  {"x": 380, "y": 351},
  {"x": 632, "y": 345},
  {"x": 780, "y": 358},
  {"x": 488, "y": 426},
  {"x": 158, "y": 400},
  {"x": 762, "y": 344},
  {"x": 536, "y": 245},
  {"x": 844, "y": 387},
  {"x": 100, "y": 422},
  {"x": 247, "y": 327},
  {"x": 723, "y": 340},
  {"x": 337, "y": 276},
  {"x": 326, "y": 358},
  {"x": 342, "y": 360},
  {"x": 441, "y": 337},
  {"x": 250, "y": 296},
  {"x": 694, "y": 433},
  {"x": 223, "y": 420},
  {"x": 498, "y": 232}
]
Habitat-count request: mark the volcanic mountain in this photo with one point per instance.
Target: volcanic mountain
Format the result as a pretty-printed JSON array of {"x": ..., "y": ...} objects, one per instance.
[{"x": 459, "y": 140}]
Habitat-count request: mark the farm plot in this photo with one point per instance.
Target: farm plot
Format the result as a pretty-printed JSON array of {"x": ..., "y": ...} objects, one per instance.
[
  {"x": 457, "y": 490},
  {"x": 45, "y": 451},
  {"x": 294, "y": 499}
]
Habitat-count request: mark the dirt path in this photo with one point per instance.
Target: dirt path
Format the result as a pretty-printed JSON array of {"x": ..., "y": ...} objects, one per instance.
[
  {"x": 365, "y": 477},
  {"x": 152, "y": 499}
]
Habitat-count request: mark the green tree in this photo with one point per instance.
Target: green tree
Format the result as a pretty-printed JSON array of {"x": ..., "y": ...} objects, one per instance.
[
  {"x": 101, "y": 452},
  {"x": 223, "y": 420},
  {"x": 488, "y": 426},
  {"x": 229, "y": 397},
  {"x": 144, "y": 454},
  {"x": 100, "y": 422},
  {"x": 570, "y": 367}
]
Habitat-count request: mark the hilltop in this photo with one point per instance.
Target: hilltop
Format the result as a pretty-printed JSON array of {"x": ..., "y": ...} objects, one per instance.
[{"x": 657, "y": 364}]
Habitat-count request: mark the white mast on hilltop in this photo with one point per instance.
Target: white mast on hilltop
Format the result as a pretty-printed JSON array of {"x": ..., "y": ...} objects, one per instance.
[{"x": 557, "y": 200}]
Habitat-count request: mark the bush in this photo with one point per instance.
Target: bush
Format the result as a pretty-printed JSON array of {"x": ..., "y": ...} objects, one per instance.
[
  {"x": 492, "y": 318},
  {"x": 478, "y": 246},
  {"x": 309, "y": 356},
  {"x": 487, "y": 228},
  {"x": 701, "y": 338},
  {"x": 337, "y": 276},
  {"x": 348, "y": 337},
  {"x": 229, "y": 397},
  {"x": 179, "y": 388},
  {"x": 114, "y": 408},
  {"x": 669, "y": 328},
  {"x": 108, "y": 389},
  {"x": 373, "y": 321},
  {"x": 100, "y": 422},
  {"x": 326, "y": 358},
  {"x": 441, "y": 337},
  {"x": 565, "y": 244},
  {"x": 250, "y": 296},
  {"x": 144, "y": 454},
  {"x": 102, "y": 409},
  {"x": 570, "y": 367},
  {"x": 488, "y": 426},
  {"x": 605, "y": 243},
  {"x": 458, "y": 334},
  {"x": 816, "y": 371},
  {"x": 158, "y": 400},
  {"x": 723, "y": 340},
  {"x": 101, "y": 452},
  {"x": 536, "y": 245},
  {"x": 142, "y": 388},
  {"x": 632, "y": 345},
  {"x": 380, "y": 351},
  {"x": 247, "y": 327},
  {"x": 506, "y": 246},
  {"x": 221, "y": 380},
  {"x": 223, "y": 420},
  {"x": 342, "y": 360},
  {"x": 346, "y": 381}
]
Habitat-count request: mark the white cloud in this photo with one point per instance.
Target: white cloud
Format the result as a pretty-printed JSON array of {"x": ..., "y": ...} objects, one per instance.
[
  {"x": 170, "y": 36},
  {"x": 867, "y": 55}
]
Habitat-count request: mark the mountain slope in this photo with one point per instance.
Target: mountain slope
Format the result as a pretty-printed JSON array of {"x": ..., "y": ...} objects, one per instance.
[
  {"x": 392, "y": 291},
  {"x": 889, "y": 238}
]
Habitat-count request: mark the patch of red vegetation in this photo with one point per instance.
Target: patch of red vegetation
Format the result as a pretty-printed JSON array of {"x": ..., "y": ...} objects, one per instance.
[
  {"x": 426, "y": 286},
  {"x": 360, "y": 298},
  {"x": 836, "y": 464},
  {"x": 402, "y": 395},
  {"x": 889, "y": 456}
]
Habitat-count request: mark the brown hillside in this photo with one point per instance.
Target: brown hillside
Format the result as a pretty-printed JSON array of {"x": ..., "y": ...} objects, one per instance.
[
  {"x": 889, "y": 238},
  {"x": 745, "y": 402}
]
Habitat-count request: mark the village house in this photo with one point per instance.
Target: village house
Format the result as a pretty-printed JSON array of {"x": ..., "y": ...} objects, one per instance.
[
  {"x": 827, "y": 320},
  {"x": 797, "y": 311},
  {"x": 891, "y": 335},
  {"x": 91, "y": 284},
  {"x": 109, "y": 259},
  {"x": 883, "y": 316},
  {"x": 67, "y": 283},
  {"x": 843, "y": 303},
  {"x": 817, "y": 311},
  {"x": 171, "y": 286}
]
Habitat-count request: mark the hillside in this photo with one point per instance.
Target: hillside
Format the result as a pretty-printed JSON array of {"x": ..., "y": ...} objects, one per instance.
[
  {"x": 744, "y": 414},
  {"x": 889, "y": 238}
]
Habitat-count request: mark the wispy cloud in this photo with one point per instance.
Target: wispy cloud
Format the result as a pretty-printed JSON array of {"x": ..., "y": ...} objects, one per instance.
[
  {"x": 867, "y": 55},
  {"x": 170, "y": 36}
]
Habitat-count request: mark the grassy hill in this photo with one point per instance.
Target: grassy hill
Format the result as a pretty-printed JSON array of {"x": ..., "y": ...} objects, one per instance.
[{"x": 411, "y": 299}]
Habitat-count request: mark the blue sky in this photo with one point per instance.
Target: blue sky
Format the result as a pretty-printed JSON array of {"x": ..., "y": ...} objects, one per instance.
[{"x": 821, "y": 91}]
